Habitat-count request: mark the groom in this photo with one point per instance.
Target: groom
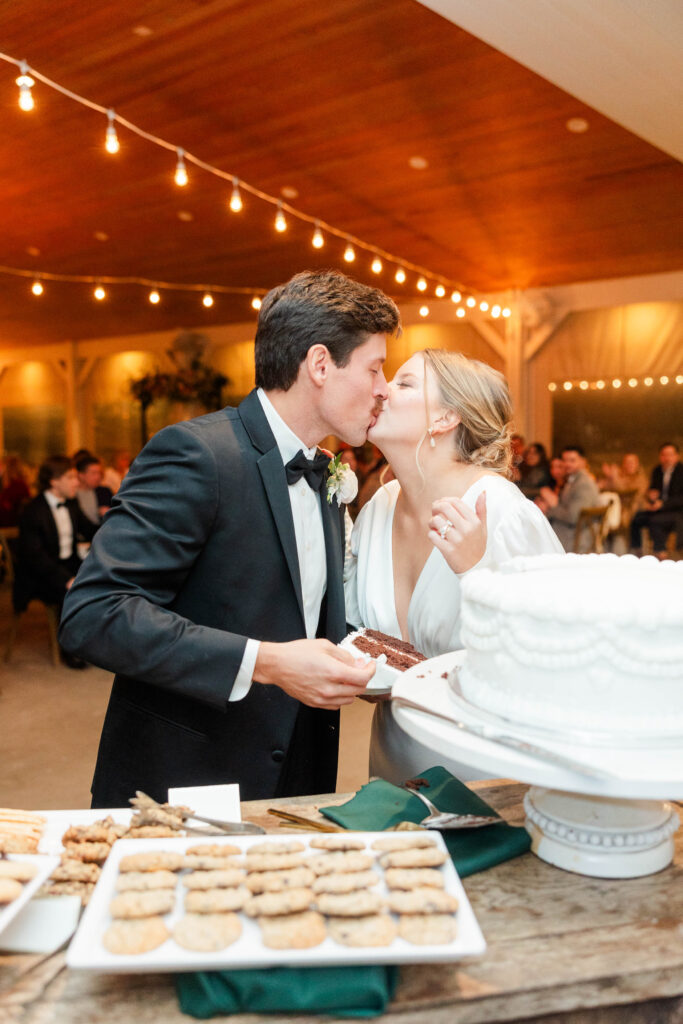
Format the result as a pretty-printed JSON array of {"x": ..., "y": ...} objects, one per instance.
[{"x": 221, "y": 561}]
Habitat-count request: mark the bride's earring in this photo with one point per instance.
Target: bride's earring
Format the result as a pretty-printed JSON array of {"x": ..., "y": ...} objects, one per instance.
[{"x": 432, "y": 442}]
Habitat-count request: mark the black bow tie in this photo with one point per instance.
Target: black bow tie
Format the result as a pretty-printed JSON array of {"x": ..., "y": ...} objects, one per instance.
[
  {"x": 313, "y": 470},
  {"x": 60, "y": 504}
]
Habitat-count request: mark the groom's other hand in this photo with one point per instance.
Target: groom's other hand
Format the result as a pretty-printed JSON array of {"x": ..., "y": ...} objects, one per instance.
[{"x": 316, "y": 672}]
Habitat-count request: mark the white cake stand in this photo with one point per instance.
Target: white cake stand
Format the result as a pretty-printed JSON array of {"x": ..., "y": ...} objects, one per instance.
[{"x": 616, "y": 826}]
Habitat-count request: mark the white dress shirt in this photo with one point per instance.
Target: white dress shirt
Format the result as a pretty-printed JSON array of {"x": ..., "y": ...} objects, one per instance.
[
  {"x": 310, "y": 542},
  {"x": 63, "y": 523}
]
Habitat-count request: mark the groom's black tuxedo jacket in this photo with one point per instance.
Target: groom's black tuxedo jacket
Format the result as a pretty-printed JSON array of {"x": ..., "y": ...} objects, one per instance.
[{"x": 197, "y": 554}]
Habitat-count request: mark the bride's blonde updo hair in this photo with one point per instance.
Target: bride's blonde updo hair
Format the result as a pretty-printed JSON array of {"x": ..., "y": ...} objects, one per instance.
[{"x": 481, "y": 398}]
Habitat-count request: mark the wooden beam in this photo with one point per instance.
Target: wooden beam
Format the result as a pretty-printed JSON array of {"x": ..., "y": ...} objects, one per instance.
[{"x": 543, "y": 333}]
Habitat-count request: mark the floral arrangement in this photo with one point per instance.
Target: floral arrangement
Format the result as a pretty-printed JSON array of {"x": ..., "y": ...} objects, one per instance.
[{"x": 194, "y": 380}]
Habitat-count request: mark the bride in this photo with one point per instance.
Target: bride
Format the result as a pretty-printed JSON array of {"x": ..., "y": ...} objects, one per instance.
[{"x": 445, "y": 432}]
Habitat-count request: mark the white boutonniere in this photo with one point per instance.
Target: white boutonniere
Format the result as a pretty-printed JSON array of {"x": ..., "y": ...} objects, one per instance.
[{"x": 342, "y": 482}]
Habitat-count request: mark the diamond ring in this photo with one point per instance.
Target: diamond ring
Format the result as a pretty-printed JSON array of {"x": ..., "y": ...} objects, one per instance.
[{"x": 444, "y": 529}]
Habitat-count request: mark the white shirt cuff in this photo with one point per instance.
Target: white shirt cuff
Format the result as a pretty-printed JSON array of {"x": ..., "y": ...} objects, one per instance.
[{"x": 243, "y": 679}]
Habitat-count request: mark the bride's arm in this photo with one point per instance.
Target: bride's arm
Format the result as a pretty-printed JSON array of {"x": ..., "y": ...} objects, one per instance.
[{"x": 459, "y": 532}]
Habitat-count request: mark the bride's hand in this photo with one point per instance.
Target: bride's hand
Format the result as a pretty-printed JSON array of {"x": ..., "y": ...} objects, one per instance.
[{"x": 459, "y": 532}]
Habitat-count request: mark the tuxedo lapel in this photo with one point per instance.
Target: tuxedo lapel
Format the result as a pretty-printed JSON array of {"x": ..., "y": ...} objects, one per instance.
[
  {"x": 50, "y": 527},
  {"x": 334, "y": 551}
]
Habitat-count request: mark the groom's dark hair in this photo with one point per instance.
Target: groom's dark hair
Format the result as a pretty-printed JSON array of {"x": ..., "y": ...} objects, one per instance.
[{"x": 316, "y": 308}]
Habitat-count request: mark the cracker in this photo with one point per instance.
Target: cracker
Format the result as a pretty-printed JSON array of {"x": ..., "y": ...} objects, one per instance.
[
  {"x": 161, "y": 861},
  {"x": 207, "y": 933},
  {"x": 422, "y": 901},
  {"x": 142, "y": 904},
  {"x": 277, "y": 881},
  {"x": 213, "y": 850},
  {"x": 274, "y": 904},
  {"x": 414, "y": 858},
  {"x": 225, "y": 879},
  {"x": 89, "y": 853},
  {"x": 19, "y": 870},
  {"x": 390, "y": 843},
  {"x": 18, "y": 843},
  {"x": 326, "y": 863},
  {"x": 273, "y": 861},
  {"x": 293, "y": 931},
  {"x": 128, "y": 938},
  {"x": 202, "y": 862},
  {"x": 75, "y": 871},
  {"x": 373, "y": 930},
  {"x": 349, "y": 904},
  {"x": 427, "y": 929},
  {"x": 215, "y": 901},
  {"x": 337, "y": 843},
  {"x": 276, "y": 848},
  {"x": 9, "y": 889},
  {"x": 143, "y": 881},
  {"x": 413, "y": 878},
  {"x": 346, "y": 882}
]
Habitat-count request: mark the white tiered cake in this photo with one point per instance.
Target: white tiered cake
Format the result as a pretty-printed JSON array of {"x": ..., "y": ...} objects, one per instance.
[{"x": 590, "y": 643}]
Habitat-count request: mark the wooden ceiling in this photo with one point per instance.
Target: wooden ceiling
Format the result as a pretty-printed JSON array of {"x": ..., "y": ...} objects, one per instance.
[{"x": 331, "y": 99}]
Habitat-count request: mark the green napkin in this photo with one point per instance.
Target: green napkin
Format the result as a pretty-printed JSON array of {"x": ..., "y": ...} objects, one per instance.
[
  {"x": 379, "y": 805},
  {"x": 357, "y": 991}
]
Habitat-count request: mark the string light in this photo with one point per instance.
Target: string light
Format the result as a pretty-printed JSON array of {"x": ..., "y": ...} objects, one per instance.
[
  {"x": 111, "y": 142},
  {"x": 37, "y": 288},
  {"x": 648, "y": 382},
  {"x": 280, "y": 220},
  {"x": 422, "y": 285},
  {"x": 376, "y": 266},
  {"x": 99, "y": 293},
  {"x": 664, "y": 380},
  {"x": 460, "y": 312},
  {"x": 600, "y": 384},
  {"x": 318, "y": 240},
  {"x": 616, "y": 383},
  {"x": 25, "y": 83},
  {"x": 679, "y": 378},
  {"x": 567, "y": 385},
  {"x": 507, "y": 312},
  {"x": 181, "y": 177},
  {"x": 495, "y": 312},
  {"x": 424, "y": 310},
  {"x": 400, "y": 275},
  {"x": 256, "y": 302},
  {"x": 483, "y": 306},
  {"x": 349, "y": 254},
  {"x": 207, "y": 300},
  {"x": 439, "y": 291},
  {"x": 235, "y": 203},
  {"x": 470, "y": 301},
  {"x": 154, "y": 297},
  {"x": 552, "y": 386},
  {"x": 632, "y": 382},
  {"x": 456, "y": 296}
]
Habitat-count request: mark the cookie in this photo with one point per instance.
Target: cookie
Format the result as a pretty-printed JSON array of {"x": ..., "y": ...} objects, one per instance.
[
  {"x": 277, "y": 881},
  {"x": 223, "y": 879},
  {"x": 273, "y": 861},
  {"x": 126, "y": 938},
  {"x": 216, "y": 901},
  {"x": 413, "y": 878},
  {"x": 293, "y": 846},
  {"x": 145, "y": 880},
  {"x": 212, "y": 850},
  {"x": 422, "y": 857},
  {"x": 89, "y": 853},
  {"x": 273, "y": 904},
  {"x": 152, "y": 832},
  {"x": 427, "y": 929},
  {"x": 326, "y": 863},
  {"x": 204, "y": 862},
  {"x": 293, "y": 931},
  {"x": 347, "y": 882},
  {"x": 142, "y": 904},
  {"x": 75, "y": 871},
  {"x": 84, "y": 890},
  {"x": 422, "y": 901},
  {"x": 19, "y": 870},
  {"x": 390, "y": 843},
  {"x": 19, "y": 843},
  {"x": 373, "y": 930},
  {"x": 161, "y": 861},
  {"x": 349, "y": 904},
  {"x": 9, "y": 889},
  {"x": 207, "y": 933},
  {"x": 95, "y": 833},
  {"x": 337, "y": 843}
]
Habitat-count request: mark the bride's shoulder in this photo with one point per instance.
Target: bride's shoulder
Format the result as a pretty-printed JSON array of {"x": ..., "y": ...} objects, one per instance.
[{"x": 380, "y": 506}]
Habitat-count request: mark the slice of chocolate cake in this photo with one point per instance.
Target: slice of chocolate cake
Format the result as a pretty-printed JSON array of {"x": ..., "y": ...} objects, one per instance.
[{"x": 399, "y": 654}]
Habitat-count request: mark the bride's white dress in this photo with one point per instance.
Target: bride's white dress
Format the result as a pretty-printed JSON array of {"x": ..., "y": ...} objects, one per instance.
[{"x": 515, "y": 527}]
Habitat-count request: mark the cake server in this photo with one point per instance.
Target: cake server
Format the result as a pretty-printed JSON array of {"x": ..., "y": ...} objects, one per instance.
[{"x": 488, "y": 732}]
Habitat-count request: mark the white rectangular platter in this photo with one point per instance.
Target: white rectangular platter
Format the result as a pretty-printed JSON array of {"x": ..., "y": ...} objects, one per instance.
[
  {"x": 87, "y": 951},
  {"x": 44, "y": 868}
]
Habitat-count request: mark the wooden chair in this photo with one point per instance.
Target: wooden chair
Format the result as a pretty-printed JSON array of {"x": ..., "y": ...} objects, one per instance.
[
  {"x": 591, "y": 524},
  {"x": 8, "y": 534}
]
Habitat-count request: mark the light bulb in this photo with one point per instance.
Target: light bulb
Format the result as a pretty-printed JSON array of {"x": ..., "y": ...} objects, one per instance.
[
  {"x": 317, "y": 241},
  {"x": 632, "y": 382},
  {"x": 584, "y": 385},
  {"x": 349, "y": 254},
  {"x": 99, "y": 293},
  {"x": 470, "y": 301},
  {"x": 664, "y": 380},
  {"x": 600, "y": 384},
  {"x": 256, "y": 302},
  {"x": 37, "y": 288},
  {"x": 483, "y": 306},
  {"x": 25, "y": 83},
  {"x": 495, "y": 311},
  {"x": 648, "y": 382},
  {"x": 422, "y": 285},
  {"x": 207, "y": 300},
  {"x": 154, "y": 297},
  {"x": 111, "y": 142},
  {"x": 376, "y": 266},
  {"x": 567, "y": 385},
  {"x": 400, "y": 275},
  {"x": 235, "y": 203},
  {"x": 280, "y": 221},
  {"x": 679, "y": 378},
  {"x": 439, "y": 291},
  {"x": 456, "y": 296},
  {"x": 552, "y": 386},
  {"x": 616, "y": 383},
  {"x": 507, "y": 312},
  {"x": 181, "y": 177},
  {"x": 460, "y": 312},
  {"x": 424, "y": 310}
]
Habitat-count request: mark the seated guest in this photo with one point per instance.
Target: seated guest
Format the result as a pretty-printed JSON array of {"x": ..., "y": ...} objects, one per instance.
[
  {"x": 628, "y": 481},
  {"x": 14, "y": 490},
  {"x": 579, "y": 491},
  {"x": 663, "y": 510},
  {"x": 93, "y": 498},
  {"x": 557, "y": 474},
  {"x": 534, "y": 472},
  {"x": 49, "y": 530},
  {"x": 114, "y": 474}
]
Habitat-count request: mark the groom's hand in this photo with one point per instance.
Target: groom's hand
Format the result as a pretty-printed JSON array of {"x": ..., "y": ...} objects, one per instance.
[{"x": 316, "y": 672}]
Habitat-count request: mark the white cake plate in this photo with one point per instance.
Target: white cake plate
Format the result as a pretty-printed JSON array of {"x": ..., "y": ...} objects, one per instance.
[{"x": 618, "y": 825}]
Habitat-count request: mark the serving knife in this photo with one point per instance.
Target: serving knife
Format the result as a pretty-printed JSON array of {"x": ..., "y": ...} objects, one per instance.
[{"x": 488, "y": 732}]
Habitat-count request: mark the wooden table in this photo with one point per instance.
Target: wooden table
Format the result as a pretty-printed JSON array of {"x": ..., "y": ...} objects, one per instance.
[{"x": 562, "y": 949}]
